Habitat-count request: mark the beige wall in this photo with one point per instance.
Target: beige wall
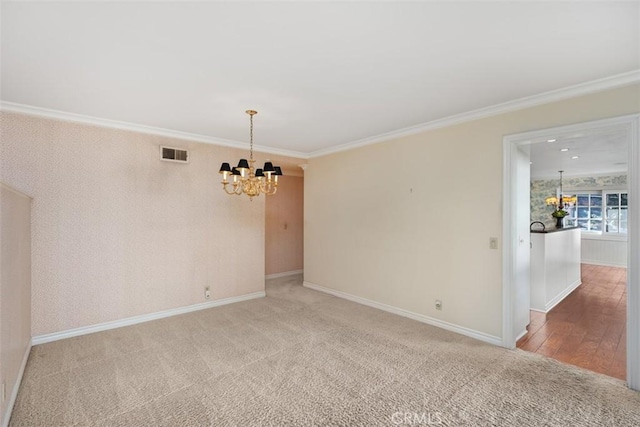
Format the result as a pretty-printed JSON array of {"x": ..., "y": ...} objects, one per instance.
[
  {"x": 408, "y": 221},
  {"x": 119, "y": 233},
  {"x": 15, "y": 289},
  {"x": 284, "y": 227}
]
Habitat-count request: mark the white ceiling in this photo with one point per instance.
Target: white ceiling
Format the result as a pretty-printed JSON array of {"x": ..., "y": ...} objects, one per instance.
[
  {"x": 597, "y": 152},
  {"x": 321, "y": 74}
]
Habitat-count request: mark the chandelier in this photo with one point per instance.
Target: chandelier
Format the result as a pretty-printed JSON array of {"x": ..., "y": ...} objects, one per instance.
[
  {"x": 562, "y": 202},
  {"x": 247, "y": 180}
]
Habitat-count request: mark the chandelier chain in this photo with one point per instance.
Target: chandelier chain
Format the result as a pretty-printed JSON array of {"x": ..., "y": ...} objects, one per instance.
[{"x": 251, "y": 137}]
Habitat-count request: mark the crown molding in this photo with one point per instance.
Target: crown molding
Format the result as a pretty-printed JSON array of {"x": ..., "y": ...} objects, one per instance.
[
  {"x": 13, "y": 107},
  {"x": 581, "y": 89}
]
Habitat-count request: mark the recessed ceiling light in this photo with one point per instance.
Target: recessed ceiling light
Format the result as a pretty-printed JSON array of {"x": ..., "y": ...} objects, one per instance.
[
  {"x": 564, "y": 149},
  {"x": 551, "y": 140},
  {"x": 575, "y": 157}
]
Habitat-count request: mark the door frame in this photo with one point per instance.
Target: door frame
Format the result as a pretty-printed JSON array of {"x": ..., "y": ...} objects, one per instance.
[{"x": 631, "y": 125}]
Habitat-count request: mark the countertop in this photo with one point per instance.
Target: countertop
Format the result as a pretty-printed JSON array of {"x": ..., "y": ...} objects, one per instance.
[{"x": 553, "y": 230}]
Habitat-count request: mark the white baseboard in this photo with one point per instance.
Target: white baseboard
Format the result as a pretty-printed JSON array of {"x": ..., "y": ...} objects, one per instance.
[
  {"x": 41, "y": 339},
  {"x": 604, "y": 263},
  {"x": 14, "y": 393},
  {"x": 523, "y": 333},
  {"x": 562, "y": 295},
  {"x": 283, "y": 274},
  {"x": 491, "y": 339}
]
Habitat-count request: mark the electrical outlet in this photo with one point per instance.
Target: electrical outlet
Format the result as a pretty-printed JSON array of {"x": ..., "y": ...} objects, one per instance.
[
  {"x": 493, "y": 243},
  {"x": 207, "y": 293},
  {"x": 438, "y": 304}
]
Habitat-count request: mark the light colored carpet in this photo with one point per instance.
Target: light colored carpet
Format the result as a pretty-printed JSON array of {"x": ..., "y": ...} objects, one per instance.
[{"x": 300, "y": 357}]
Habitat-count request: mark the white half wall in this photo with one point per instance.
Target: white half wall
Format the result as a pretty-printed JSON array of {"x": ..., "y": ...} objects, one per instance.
[
  {"x": 555, "y": 267},
  {"x": 15, "y": 293}
]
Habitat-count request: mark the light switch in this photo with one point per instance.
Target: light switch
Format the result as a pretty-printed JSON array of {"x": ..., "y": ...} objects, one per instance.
[{"x": 493, "y": 243}]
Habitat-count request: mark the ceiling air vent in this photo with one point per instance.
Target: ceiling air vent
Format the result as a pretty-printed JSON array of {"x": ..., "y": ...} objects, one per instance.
[{"x": 171, "y": 154}]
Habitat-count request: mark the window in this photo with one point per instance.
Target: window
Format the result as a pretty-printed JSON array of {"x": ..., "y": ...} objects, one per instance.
[
  {"x": 616, "y": 212},
  {"x": 587, "y": 213},
  {"x": 599, "y": 212}
]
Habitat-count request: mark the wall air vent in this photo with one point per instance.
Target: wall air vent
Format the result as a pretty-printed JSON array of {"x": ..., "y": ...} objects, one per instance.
[{"x": 171, "y": 154}]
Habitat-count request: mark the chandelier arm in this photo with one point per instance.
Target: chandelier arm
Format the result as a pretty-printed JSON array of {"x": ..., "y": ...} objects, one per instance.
[
  {"x": 269, "y": 188},
  {"x": 226, "y": 190}
]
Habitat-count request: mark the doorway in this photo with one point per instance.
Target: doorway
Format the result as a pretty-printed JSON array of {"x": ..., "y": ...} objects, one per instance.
[
  {"x": 284, "y": 224},
  {"x": 515, "y": 270}
]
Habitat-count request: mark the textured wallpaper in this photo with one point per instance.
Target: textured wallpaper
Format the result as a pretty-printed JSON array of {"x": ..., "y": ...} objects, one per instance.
[
  {"x": 15, "y": 294},
  {"x": 117, "y": 232},
  {"x": 541, "y": 189},
  {"x": 284, "y": 227}
]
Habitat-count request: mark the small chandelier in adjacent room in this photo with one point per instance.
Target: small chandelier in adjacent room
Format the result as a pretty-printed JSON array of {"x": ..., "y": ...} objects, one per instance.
[
  {"x": 562, "y": 202},
  {"x": 247, "y": 180},
  {"x": 559, "y": 205}
]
